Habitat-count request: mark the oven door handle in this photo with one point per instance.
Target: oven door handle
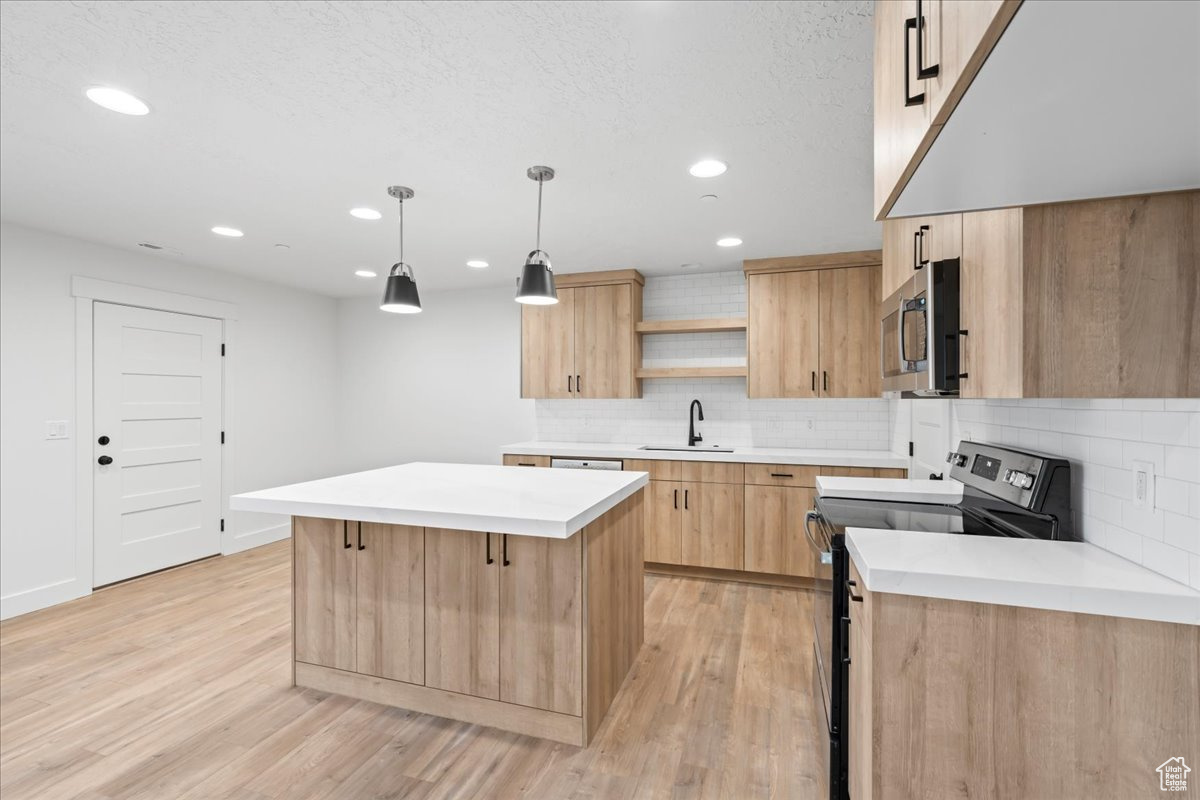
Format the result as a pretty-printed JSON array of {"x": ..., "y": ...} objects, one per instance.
[{"x": 826, "y": 555}]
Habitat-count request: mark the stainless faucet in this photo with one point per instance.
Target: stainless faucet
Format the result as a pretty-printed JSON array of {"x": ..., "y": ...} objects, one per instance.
[{"x": 693, "y": 436}]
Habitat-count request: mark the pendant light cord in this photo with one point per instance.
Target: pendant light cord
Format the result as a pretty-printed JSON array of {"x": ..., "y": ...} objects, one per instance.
[
  {"x": 539, "y": 220},
  {"x": 402, "y": 232}
]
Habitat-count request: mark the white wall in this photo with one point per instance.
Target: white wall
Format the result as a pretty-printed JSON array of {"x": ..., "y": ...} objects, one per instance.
[
  {"x": 284, "y": 410},
  {"x": 660, "y": 416},
  {"x": 442, "y": 385},
  {"x": 1102, "y": 438}
]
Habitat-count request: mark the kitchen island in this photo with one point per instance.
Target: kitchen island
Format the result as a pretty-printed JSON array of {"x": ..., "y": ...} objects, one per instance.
[{"x": 503, "y": 596}]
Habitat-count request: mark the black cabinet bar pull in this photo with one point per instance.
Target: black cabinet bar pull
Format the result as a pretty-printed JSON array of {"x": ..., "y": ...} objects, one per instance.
[
  {"x": 916, "y": 250},
  {"x": 685, "y": 498},
  {"x": 361, "y": 546},
  {"x": 488, "y": 552},
  {"x": 922, "y": 260},
  {"x": 857, "y": 598},
  {"x": 676, "y": 498},
  {"x": 824, "y": 381},
  {"x": 782, "y": 475},
  {"x": 923, "y": 72},
  {"x": 569, "y": 389},
  {"x": 525, "y": 464},
  {"x": 504, "y": 551},
  {"x": 345, "y": 535},
  {"x": 814, "y": 380},
  {"x": 910, "y": 99},
  {"x": 578, "y": 384}
]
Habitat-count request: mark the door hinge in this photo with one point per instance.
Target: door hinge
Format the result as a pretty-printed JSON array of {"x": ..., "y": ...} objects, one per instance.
[
  {"x": 222, "y": 526},
  {"x": 222, "y": 437},
  {"x": 910, "y": 448},
  {"x": 222, "y": 349}
]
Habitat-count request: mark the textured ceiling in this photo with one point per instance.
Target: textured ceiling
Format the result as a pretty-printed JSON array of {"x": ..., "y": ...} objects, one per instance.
[{"x": 277, "y": 118}]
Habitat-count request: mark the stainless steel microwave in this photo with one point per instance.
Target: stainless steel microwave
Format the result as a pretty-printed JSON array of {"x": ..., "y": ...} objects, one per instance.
[{"x": 919, "y": 333}]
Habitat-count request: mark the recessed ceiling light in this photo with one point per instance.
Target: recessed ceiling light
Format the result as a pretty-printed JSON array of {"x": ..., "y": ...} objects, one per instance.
[
  {"x": 283, "y": 247},
  {"x": 708, "y": 168},
  {"x": 364, "y": 273},
  {"x": 708, "y": 198},
  {"x": 729, "y": 241},
  {"x": 150, "y": 245},
  {"x": 116, "y": 100},
  {"x": 477, "y": 264},
  {"x": 689, "y": 266},
  {"x": 221, "y": 230},
  {"x": 365, "y": 213}
]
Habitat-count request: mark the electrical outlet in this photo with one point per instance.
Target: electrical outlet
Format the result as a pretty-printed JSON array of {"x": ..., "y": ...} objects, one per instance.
[
  {"x": 1143, "y": 484},
  {"x": 809, "y": 423},
  {"x": 57, "y": 429}
]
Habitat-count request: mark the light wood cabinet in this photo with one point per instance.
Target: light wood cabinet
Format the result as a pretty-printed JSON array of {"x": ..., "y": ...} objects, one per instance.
[
  {"x": 1085, "y": 299},
  {"x": 933, "y": 685},
  {"x": 812, "y": 326},
  {"x": 462, "y": 612},
  {"x": 511, "y": 460},
  {"x": 664, "y": 522},
  {"x": 390, "y": 618},
  {"x": 324, "y": 572},
  {"x": 713, "y": 523},
  {"x": 540, "y": 623},
  {"x": 774, "y": 531},
  {"x": 585, "y": 345},
  {"x": 923, "y": 66},
  {"x": 911, "y": 243}
]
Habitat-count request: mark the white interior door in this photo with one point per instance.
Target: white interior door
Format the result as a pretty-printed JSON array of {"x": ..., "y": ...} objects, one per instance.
[{"x": 157, "y": 399}]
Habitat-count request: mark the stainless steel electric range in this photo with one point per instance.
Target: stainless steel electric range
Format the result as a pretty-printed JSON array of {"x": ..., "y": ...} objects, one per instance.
[{"x": 1006, "y": 492}]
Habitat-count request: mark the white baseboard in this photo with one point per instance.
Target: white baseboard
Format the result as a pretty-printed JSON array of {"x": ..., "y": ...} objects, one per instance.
[
  {"x": 39, "y": 597},
  {"x": 249, "y": 539}
]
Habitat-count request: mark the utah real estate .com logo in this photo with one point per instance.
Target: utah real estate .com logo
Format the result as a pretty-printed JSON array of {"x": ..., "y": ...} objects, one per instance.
[{"x": 1173, "y": 775}]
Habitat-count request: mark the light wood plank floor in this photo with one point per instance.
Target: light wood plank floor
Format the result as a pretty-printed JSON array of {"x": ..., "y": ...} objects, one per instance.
[{"x": 177, "y": 685}]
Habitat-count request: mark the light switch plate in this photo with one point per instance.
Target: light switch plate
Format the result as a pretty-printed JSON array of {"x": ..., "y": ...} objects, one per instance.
[{"x": 57, "y": 429}]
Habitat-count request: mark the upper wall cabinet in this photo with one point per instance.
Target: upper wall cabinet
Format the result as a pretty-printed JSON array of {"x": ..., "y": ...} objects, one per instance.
[
  {"x": 585, "y": 345},
  {"x": 912, "y": 243},
  {"x": 1011, "y": 104},
  {"x": 926, "y": 53},
  {"x": 1090, "y": 299},
  {"x": 811, "y": 328}
]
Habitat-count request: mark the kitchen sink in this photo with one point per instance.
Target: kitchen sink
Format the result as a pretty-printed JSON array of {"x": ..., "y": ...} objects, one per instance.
[{"x": 713, "y": 449}]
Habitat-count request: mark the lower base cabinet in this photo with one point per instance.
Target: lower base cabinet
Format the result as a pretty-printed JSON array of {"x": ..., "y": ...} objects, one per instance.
[
  {"x": 712, "y": 525},
  {"x": 775, "y": 539},
  {"x": 664, "y": 522}
]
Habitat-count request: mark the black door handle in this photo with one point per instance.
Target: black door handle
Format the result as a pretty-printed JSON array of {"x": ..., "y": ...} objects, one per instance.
[
  {"x": 488, "y": 553},
  {"x": 361, "y": 546},
  {"x": 677, "y": 498},
  {"x": 685, "y": 498},
  {"x": 569, "y": 389},
  {"x": 345, "y": 535},
  {"x": 910, "y": 99},
  {"x": 504, "y": 551},
  {"x": 923, "y": 71},
  {"x": 578, "y": 385},
  {"x": 824, "y": 381},
  {"x": 814, "y": 380},
  {"x": 103, "y": 440},
  {"x": 104, "y": 461}
]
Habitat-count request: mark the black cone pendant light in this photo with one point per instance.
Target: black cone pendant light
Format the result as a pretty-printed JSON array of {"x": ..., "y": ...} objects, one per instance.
[
  {"x": 400, "y": 296},
  {"x": 536, "y": 286}
]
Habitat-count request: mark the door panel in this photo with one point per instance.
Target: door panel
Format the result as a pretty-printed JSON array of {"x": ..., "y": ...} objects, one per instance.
[
  {"x": 604, "y": 341},
  {"x": 391, "y": 602},
  {"x": 664, "y": 521},
  {"x": 324, "y": 595},
  {"x": 157, "y": 395},
  {"x": 548, "y": 348},
  {"x": 713, "y": 525},
  {"x": 782, "y": 334},
  {"x": 849, "y": 333},
  {"x": 775, "y": 540},
  {"x": 462, "y": 617},
  {"x": 541, "y": 640}
]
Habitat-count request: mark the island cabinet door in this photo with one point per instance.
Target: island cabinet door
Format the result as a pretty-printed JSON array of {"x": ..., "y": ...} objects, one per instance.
[
  {"x": 541, "y": 623},
  {"x": 324, "y": 574},
  {"x": 462, "y": 611},
  {"x": 713, "y": 525},
  {"x": 391, "y": 601}
]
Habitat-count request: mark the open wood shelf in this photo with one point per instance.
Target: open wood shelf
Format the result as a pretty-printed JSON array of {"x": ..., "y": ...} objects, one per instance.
[
  {"x": 692, "y": 325},
  {"x": 692, "y": 372}
]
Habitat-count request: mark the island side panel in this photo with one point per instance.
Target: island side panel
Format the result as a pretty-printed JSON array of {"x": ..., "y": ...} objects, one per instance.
[{"x": 613, "y": 605}]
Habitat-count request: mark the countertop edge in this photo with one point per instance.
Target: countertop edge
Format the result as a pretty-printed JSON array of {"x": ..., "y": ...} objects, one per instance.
[
  {"x": 1105, "y": 602},
  {"x": 815, "y": 457},
  {"x": 519, "y": 526}
]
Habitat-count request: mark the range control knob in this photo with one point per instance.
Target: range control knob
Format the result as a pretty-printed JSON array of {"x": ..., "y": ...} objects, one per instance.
[
  {"x": 956, "y": 459},
  {"x": 1021, "y": 480}
]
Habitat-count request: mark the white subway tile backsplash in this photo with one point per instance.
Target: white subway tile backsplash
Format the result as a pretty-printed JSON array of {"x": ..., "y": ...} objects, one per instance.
[
  {"x": 1102, "y": 438},
  {"x": 660, "y": 416}
]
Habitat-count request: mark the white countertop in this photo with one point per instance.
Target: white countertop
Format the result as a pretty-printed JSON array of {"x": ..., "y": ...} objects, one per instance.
[
  {"x": 947, "y": 492},
  {"x": 1058, "y": 576},
  {"x": 740, "y": 455},
  {"x": 553, "y": 503}
]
